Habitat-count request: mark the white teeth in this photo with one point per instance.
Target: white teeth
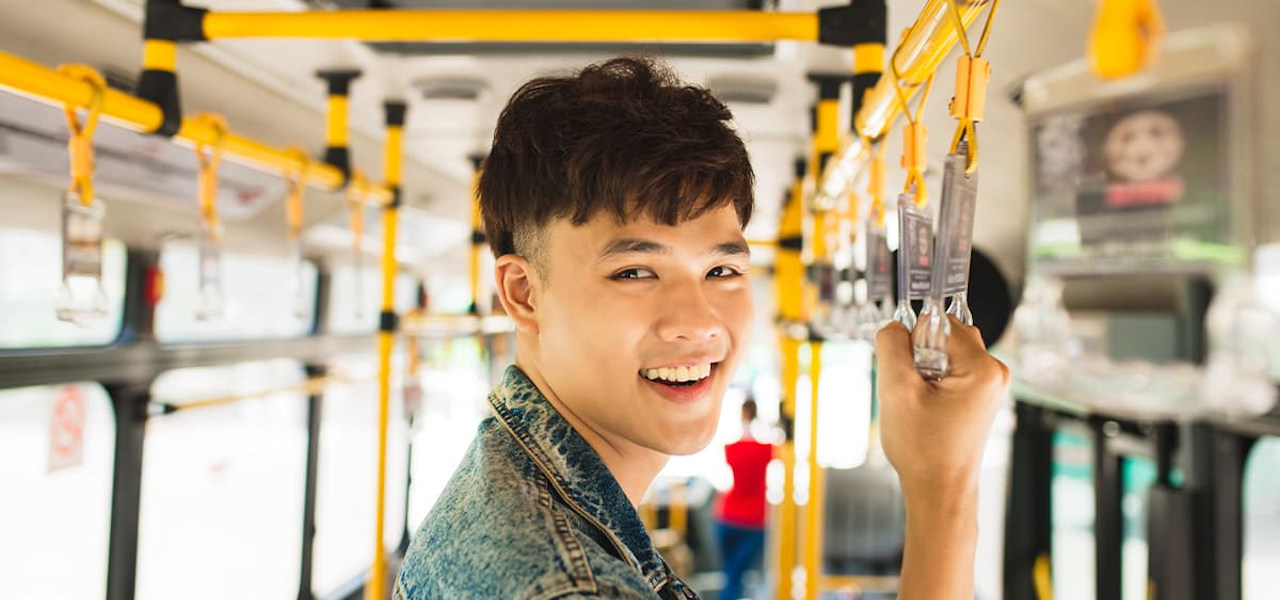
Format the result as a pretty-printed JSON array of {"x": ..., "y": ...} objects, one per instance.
[{"x": 679, "y": 374}]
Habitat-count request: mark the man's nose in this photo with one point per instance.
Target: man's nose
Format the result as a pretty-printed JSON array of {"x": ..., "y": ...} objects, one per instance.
[{"x": 688, "y": 315}]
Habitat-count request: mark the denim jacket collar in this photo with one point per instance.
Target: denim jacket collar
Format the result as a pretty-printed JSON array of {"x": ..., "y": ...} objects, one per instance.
[{"x": 576, "y": 471}]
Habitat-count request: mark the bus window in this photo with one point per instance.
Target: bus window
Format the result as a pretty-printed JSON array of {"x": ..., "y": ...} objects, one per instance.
[
  {"x": 454, "y": 383},
  {"x": 30, "y": 278},
  {"x": 1137, "y": 475},
  {"x": 215, "y": 478},
  {"x": 1261, "y": 564},
  {"x": 346, "y": 483},
  {"x": 1072, "y": 500},
  {"x": 259, "y": 300},
  {"x": 355, "y": 298},
  {"x": 55, "y": 511}
]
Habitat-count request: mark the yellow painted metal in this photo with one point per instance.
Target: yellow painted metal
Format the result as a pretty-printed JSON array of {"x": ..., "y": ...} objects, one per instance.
[
  {"x": 393, "y": 154},
  {"x": 1125, "y": 38},
  {"x": 787, "y": 516},
  {"x": 923, "y": 48},
  {"x": 160, "y": 55},
  {"x": 788, "y": 290},
  {"x": 518, "y": 25},
  {"x": 827, "y": 138},
  {"x": 678, "y": 509},
  {"x": 476, "y": 246},
  {"x": 1042, "y": 576},
  {"x": 813, "y": 510},
  {"x": 42, "y": 83},
  {"x": 648, "y": 515},
  {"x": 868, "y": 57},
  {"x": 335, "y": 131},
  {"x": 312, "y": 386},
  {"x": 859, "y": 584}
]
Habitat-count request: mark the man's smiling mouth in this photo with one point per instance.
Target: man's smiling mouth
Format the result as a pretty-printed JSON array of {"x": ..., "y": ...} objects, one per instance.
[{"x": 682, "y": 376}]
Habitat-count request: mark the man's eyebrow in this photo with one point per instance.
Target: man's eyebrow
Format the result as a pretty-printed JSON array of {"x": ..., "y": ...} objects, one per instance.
[
  {"x": 738, "y": 248},
  {"x": 632, "y": 246}
]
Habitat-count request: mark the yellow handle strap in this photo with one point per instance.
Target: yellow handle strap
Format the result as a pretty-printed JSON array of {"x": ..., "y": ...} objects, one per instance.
[
  {"x": 972, "y": 75},
  {"x": 1126, "y": 37},
  {"x": 914, "y": 139},
  {"x": 359, "y": 181},
  {"x": 875, "y": 182},
  {"x": 297, "y": 187},
  {"x": 80, "y": 142},
  {"x": 210, "y": 159}
]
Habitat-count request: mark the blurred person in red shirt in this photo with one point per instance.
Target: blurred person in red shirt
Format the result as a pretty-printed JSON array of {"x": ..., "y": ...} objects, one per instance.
[{"x": 740, "y": 514}]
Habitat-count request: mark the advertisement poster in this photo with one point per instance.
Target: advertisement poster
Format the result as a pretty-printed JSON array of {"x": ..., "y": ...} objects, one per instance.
[{"x": 1142, "y": 182}]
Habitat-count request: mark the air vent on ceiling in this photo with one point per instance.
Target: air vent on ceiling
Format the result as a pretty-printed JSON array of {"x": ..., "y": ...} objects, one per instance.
[
  {"x": 450, "y": 88},
  {"x": 740, "y": 89}
]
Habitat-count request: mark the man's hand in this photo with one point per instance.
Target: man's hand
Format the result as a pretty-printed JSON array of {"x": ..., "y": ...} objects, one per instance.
[{"x": 933, "y": 434}]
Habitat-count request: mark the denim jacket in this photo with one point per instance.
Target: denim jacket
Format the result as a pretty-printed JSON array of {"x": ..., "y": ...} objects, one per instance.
[{"x": 532, "y": 513}]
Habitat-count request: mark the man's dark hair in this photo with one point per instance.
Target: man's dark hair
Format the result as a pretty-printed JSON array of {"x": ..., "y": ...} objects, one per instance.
[
  {"x": 624, "y": 136},
  {"x": 749, "y": 409}
]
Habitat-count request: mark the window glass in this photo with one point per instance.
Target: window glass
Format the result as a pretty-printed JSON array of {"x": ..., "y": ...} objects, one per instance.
[
  {"x": 223, "y": 487},
  {"x": 55, "y": 510},
  {"x": 354, "y": 302},
  {"x": 259, "y": 299},
  {"x": 346, "y": 484},
  {"x": 1137, "y": 475},
  {"x": 1262, "y": 521},
  {"x": 30, "y": 279},
  {"x": 454, "y": 383},
  {"x": 1072, "y": 501}
]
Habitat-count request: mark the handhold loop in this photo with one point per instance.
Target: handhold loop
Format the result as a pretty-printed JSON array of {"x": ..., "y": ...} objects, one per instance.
[
  {"x": 914, "y": 136},
  {"x": 209, "y": 157},
  {"x": 80, "y": 142},
  {"x": 875, "y": 182},
  {"x": 297, "y": 186},
  {"x": 972, "y": 75}
]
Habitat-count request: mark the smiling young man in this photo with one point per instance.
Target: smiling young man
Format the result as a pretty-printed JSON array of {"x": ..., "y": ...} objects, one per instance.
[{"x": 615, "y": 201}]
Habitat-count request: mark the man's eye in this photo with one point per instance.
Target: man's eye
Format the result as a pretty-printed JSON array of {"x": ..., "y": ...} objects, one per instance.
[
  {"x": 634, "y": 274},
  {"x": 723, "y": 272}
]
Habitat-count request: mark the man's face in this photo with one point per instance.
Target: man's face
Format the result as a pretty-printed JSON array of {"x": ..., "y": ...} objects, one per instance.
[{"x": 640, "y": 325}]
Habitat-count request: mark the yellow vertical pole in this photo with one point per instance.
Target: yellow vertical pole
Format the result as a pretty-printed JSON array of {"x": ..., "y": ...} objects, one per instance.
[
  {"x": 477, "y": 233},
  {"x": 826, "y": 141},
  {"x": 395, "y": 114},
  {"x": 678, "y": 509},
  {"x": 789, "y": 281}
]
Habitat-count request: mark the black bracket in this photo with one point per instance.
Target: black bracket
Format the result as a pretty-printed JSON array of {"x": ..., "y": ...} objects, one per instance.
[
  {"x": 171, "y": 20},
  {"x": 395, "y": 112},
  {"x": 861, "y": 21},
  {"x": 388, "y": 321},
  {"x": 339, "y": 157}
]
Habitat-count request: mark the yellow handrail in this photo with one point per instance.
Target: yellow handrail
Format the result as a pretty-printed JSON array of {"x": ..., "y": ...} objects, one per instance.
[
  {"x": 517, "y": 25},
  {"x": 924, "y": 45},
  {"x": 47, "y": 85}
]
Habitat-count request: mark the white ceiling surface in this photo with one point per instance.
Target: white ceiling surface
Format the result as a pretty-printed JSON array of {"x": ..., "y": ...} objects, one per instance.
[{"x": 239, "y": 78}]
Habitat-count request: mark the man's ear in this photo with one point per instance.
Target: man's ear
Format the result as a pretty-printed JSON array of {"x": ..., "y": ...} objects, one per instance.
[{"x": 517, "y": 290}]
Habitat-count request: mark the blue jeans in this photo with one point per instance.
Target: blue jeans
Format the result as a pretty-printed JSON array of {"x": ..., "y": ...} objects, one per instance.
[{"x": 741, "y": 548}]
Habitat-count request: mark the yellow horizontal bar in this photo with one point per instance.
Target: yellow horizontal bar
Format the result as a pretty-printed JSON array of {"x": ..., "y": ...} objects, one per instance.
[
  {"x": 47, "y": 85},
  {"x": 865, "y": 583},
  {"x": 312, "y": 386},
  {"x": 517, "y": 25}
]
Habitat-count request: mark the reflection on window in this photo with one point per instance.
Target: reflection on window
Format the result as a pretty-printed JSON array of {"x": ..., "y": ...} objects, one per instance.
[
  {"x": 1072, "y": 501},
  {"x": 1262, "y": 521},
  {"x": 222, "y": 487},
  {"x": 354, "y": 302},
  {"x": 1137, "y": 475},
  {"x": 260, "y": 301},
  {"x": 55, "y": 510},
  {"x": 30, "y": 277},
  {"x": 346, "y": 484}
]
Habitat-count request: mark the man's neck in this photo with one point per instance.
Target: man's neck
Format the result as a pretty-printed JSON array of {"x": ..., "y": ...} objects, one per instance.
[{"x": 633, "y": 466}]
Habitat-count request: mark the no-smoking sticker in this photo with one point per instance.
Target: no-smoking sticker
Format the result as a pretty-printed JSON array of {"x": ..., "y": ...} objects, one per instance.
[{"x": 66, "y": 430}]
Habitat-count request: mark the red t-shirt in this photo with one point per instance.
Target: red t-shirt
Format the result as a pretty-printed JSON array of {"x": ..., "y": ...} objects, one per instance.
[{"x": 743, "y": 505}]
